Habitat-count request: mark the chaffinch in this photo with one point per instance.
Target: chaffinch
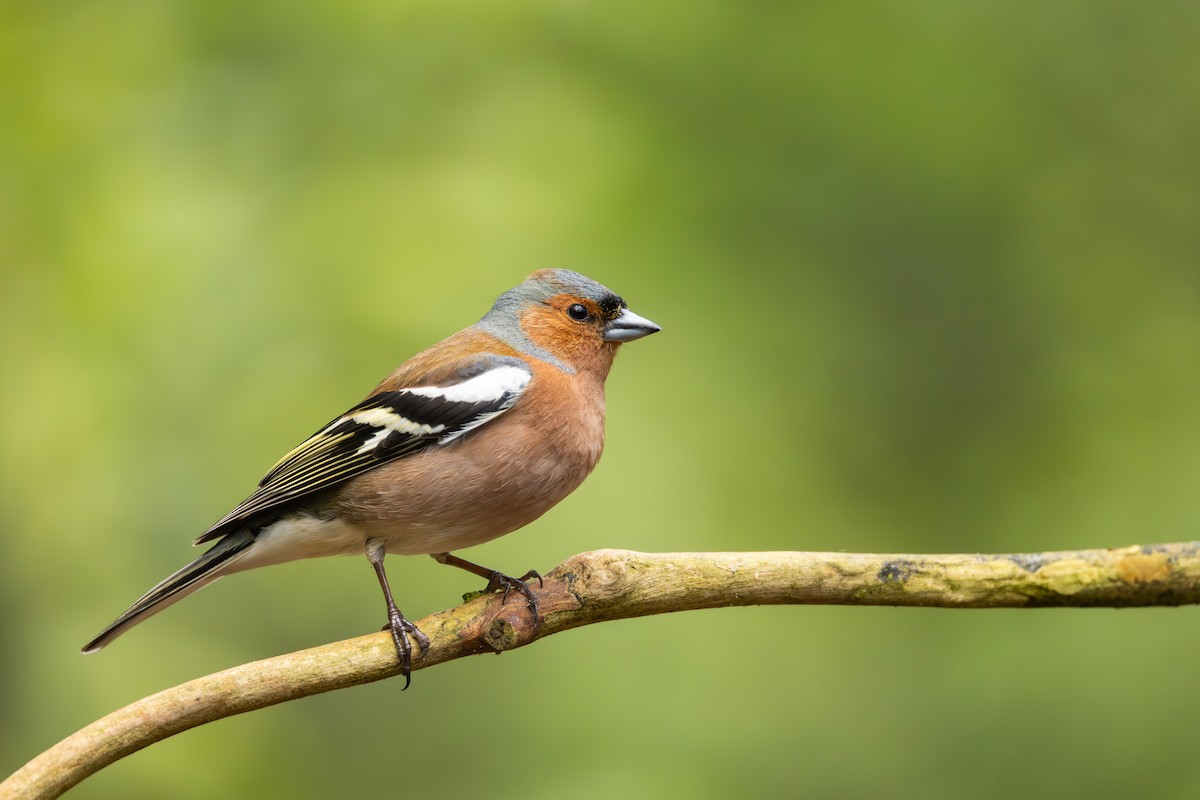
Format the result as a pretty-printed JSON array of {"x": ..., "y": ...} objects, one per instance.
[{"x": 474, "y": 438}]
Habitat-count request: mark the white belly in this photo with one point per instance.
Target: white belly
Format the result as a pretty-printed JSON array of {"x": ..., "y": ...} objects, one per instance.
[{"x": 296, "y": 537}]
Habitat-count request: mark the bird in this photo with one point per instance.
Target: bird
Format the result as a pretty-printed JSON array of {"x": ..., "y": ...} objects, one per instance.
[{"x": 466, "y": 441}]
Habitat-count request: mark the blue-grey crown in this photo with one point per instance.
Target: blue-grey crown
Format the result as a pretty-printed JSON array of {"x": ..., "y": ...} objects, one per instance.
[{"x": 541, "y": 286}]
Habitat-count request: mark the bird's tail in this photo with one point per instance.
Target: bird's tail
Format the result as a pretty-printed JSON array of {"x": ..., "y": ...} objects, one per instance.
[{"x": 201, "y": 572}]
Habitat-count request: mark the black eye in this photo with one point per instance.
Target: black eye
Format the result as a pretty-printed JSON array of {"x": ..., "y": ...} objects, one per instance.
[{"x": 577, "y": 312}]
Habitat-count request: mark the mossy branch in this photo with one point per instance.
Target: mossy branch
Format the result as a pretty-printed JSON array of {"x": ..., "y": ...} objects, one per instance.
[{"x": 620, "y": 584}]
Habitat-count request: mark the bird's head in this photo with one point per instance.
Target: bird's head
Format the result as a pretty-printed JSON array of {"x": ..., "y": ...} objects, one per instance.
[{"x": 570, "y": 318}]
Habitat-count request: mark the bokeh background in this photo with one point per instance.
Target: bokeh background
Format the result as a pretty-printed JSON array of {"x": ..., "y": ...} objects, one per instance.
[{"x": 929, "y": 274}]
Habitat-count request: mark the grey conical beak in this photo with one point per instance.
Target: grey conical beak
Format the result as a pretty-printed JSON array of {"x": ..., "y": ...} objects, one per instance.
[{"x": 628, "y": 326}]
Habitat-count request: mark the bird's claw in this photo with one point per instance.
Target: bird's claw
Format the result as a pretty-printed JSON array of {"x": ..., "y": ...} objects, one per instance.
[
  {"x": 499, "y": 580},
  {"x": 402, "y": 631}
]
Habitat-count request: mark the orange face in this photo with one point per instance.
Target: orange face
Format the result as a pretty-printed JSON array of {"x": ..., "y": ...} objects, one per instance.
[{"x": 573, "y": 328}]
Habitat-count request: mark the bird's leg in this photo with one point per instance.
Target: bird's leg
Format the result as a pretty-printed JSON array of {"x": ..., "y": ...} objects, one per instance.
[
  {"x": 400, "y": 627},
  {"x": 497, "y": 580}
]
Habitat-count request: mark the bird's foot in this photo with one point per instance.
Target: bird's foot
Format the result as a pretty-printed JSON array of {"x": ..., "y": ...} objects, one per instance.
[
  {"x": 402, "y": 632},
  {"x": 498, "y": 581}
]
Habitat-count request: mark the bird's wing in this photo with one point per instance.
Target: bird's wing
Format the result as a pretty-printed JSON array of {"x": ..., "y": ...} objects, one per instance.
[{"x": 382, "y": 428}]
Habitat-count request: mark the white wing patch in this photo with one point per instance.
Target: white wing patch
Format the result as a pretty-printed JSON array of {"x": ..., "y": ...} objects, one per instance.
[
  {"x": 387, "y": 422},
  {"x": 501, "y": 383},
  {"x": 488, "y": 386}
]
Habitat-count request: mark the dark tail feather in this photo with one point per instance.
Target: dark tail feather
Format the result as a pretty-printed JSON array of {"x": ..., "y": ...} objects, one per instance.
[{"x": 201, "y": 572}]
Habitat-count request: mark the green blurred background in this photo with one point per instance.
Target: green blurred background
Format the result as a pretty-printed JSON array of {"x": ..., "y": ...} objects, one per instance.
[{"x": 929, "y": 274}]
